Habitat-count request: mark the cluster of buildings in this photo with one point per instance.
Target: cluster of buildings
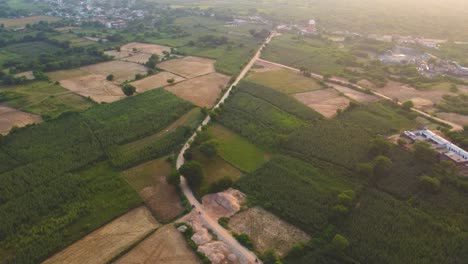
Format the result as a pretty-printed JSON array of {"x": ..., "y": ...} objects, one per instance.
[
  {"x": 94, "y": 11},
  {"x": 446, "y": 149},
  {"x": 240, "y": 20},
  {"x": 308, "y": 29}
]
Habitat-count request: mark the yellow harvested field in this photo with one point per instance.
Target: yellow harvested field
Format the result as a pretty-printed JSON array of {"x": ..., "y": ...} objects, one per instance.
[
  {"x": 11, "y": 117},
  {"x": 326, "y": 101},
  {"x": 165, "y": 246},
  {"x": 155, "y": 81},
  {"x": 188, "y": 67},
  {"x": 28, "y": 75},
  {"x": 94, "y": 86},
  {"x": 203, "y": 91},
  {"x": 267, "y": 231},
  {"x": 103, "y": 244},
  {"x": 355, "y": 95},
  {"x": 140, "y": 58},
  {"x": 20, "y": 22},
  {"x": 146, "y": 48},
  {"x": 121, "y": 70},
  {"x": 119, "y": 54}
]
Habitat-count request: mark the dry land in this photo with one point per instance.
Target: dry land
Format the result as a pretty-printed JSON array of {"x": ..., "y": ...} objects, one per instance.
[
  {"x": 121, "y": 70},
  {"x": 119, "y": 54},
  {"x": 140, "y": 58},
  {"x": 326, "y": 101},
  {"x": 28, "y": 75},
  {"x": 155, "y": 81},
  {"x": 108, "y": 241},
  {"x": 20, "y": 22},
  {"x": 189, "y": 67},
  {"x": 267, "y": 231},
  {"x": 145, "y": 48},
  {"x": 94, "y": 86},
  {"x": 283, "y": 80},
  {"x": 203, "y": 91},
  {"x": 454, "y": 118},
  {"x": 167, "y": 245},
  {"x": 149, "y": 180},
  {"x": 355, "y": 95},
  {"x": 11, "y": 117}
]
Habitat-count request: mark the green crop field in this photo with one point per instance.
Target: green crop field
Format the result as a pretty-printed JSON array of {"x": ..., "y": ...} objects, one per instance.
[
  {"x": 237, "y": 150},
  {"x": 57, "y": 182},
  {"x": 43, "y": 98}
]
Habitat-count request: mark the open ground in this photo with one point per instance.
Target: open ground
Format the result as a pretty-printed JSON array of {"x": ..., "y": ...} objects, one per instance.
[
  {"x": 145, "y": 48},
  {"x": 166, "y": 245},
  {"x": 355, "y": 95},
  {"x": 267, "y": 231},
  {"x": 202, "y": 91},
  {"x": 108, "y": 241},
  {"x": 455, "y": 118},
  {"x": 149, "y": 180},
  {"x": 121, "y": 70},
  {"x": 94, "y": 86},
  {"x": 11, "y": 117},
  {"x": 156, "y": 81},
  {"x": 188, "y": 67},
  {"x": 19, "y": 22},
  {"x": 140, "y": 58},
  {"x": 326, "y": 101}
]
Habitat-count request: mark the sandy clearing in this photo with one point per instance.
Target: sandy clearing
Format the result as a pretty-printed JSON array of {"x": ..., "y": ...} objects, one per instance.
[
  {"x": 28, "y": 75},
  {"x": 140, "y": 58},
  {"x": 106, "y": 242},
  {"x": 146, "y": 48},
  {"x": 267, "y": 231},
  {"x": 94, "y": 86},
  {"x": 355, "y": 95},
  {"x": 11, "y": 117},
  {"x": 454, "y": 118},
  {"x": 203, "y": 91},
  {"x": 18, "y": 22},
  {"x": 188, "y": 67},
  {"x": 326, "y": 101},
  {"x": 121, "y": 70},
  {"x": 167, "y": 245},
  {"x": 156, "y": 81},
  {"x": 119, "y": 54}
]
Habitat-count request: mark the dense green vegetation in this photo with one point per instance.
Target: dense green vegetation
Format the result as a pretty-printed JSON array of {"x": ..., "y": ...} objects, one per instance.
[
  {"x": 454, "y": 104},
  {"x": 57, "y": 184}
]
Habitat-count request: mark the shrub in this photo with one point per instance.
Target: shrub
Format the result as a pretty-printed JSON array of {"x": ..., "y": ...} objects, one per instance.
[
  {"x": 244, "y": 240},
  {"x": 110, "y": 77},
  {"x": 340, "y": 243},
  {"x": 128, "y": 89},
  {"x": 209, "y": 148},
  {"x": 430, "y": 184},
  {"x": 173, "y": 178},
  {"x": 224, "y": 221},
  {"x": 193, "y": 172}
]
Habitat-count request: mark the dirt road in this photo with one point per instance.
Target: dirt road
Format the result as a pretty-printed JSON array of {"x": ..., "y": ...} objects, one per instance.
[
  {"x": 244, "y": 255},
  {"x": 455, "y": 127}
]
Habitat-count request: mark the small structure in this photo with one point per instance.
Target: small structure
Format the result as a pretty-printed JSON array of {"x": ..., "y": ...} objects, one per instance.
[
  {"x": 446, "y": 149},
  {"x": 311, "y": 28}
]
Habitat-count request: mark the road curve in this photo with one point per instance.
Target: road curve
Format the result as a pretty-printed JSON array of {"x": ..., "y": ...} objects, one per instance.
[
  {"x": 455, "y": 127},
  {"x": 244, "y": 255}
]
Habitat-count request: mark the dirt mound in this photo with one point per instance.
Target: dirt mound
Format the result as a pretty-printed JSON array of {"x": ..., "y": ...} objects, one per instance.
[
  {"x": 223, "y": 204},
  {"x": 218, "y": 252}
]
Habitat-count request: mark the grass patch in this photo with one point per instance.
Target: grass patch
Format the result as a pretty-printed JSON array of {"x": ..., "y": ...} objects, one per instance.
[{"x": 285, "y": 81}]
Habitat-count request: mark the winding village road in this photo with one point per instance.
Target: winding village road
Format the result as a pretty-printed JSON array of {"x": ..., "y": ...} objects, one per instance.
[{"x": 244, "y": 255}]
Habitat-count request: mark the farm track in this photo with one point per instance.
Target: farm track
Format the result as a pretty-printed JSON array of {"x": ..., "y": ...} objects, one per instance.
[
  {"x": 455, "y": 127},
  {"x": 244, "y": 255}
]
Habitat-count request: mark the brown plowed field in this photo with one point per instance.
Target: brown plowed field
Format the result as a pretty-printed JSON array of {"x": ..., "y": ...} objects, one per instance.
[
  {"x": 95, "y": 86},
  {"x": 11, "y": 117},
  {"x": 326, "y": 101},
  {"x": 146, "y": 48},
  {"x": 156, "y": 81},
  {"x": 188, "y": 67}
]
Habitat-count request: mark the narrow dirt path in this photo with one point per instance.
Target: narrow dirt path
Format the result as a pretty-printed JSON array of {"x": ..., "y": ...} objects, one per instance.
[{"x": 244, "y": 255}]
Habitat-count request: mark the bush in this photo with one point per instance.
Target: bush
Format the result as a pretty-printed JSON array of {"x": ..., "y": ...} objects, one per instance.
[
  {"x": 193, "y": 172},
  {"x": 221, "y": 185},
  {"x": 224, "y": 221},
  {"x": 128, "y": 89},
  {"x": 430, "y": 184},
  {"x": 110, "y": 77},
  {"x": 340, "y": 243},
  {"x": 244, "y": 240},
  {"x": 209, "y": 148},
  {"x": 173, "y": 178}
]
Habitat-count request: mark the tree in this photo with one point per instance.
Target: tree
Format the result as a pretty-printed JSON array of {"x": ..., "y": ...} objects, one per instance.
[
  {"x": 366, "y": 170},
  {"x": 152, "y": 61},
  {"x": 430, "y": 184},
  {"x": 424, "y": 152},
  {"x": 340, "y": 243},
  {"x": 221, "y": 185},
  {"x": 380, "y": 146},
  {"x": 128, "y": 89},
  {"x": 209, "y": 148},
  {"x": 171, "y": 80},
  {"x": 110, "y": 77},
  {"x": 382, "y": 166},
  {"x": 173, "y": 178},
  {"x": 39, "y": 75},
  {"x": 407, "y": 105},
  {"x": 193, "y": 172}
]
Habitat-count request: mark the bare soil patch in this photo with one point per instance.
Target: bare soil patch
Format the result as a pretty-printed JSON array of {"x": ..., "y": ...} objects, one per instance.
[
  {"x": 140, "y": 58},
  {"x": 267, "y": 231},
  {"x": 156, "y": 81},
  {"x": 119, "y": 54},
  {"x": 11, "y": 117},
  {"x": 28, "y": 75},
  {"x": 355, "y": 95},
  {"x": 188, "y": 67},
  {"x": 121, "y": 70},
  {"x": 19, "y": 22},
  {"x": 203, "y": 91},
  {"x": 94, "y": 86},
  {"x": 167, "y": 245},
  {"x": 326, "y": 101},
  {"x": 146, "y": 48},
  {"x": 149, "y": 180},
  {"x": 106, "y": 242},
  {"x": 223, "y": 204},
  {"x": 454, "y": 118}
]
